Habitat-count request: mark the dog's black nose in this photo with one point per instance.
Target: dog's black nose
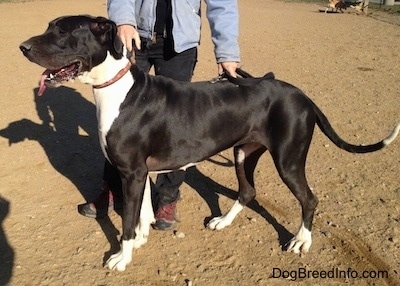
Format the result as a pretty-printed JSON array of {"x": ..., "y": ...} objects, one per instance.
[{"x": 25, "y": 47}]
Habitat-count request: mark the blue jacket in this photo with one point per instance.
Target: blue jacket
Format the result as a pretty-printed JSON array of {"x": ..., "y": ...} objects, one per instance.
[{"x": 222, "y": 16}]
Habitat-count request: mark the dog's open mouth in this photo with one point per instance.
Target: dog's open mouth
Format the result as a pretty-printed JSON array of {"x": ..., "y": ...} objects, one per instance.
[{"x": 54, "y": 78}]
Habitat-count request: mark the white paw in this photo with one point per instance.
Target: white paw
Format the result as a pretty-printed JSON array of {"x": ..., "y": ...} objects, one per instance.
[
  {"x": 118, "y": 262},
  {"x": 218, "y": 223},
  {"x": 297, "y": 245},
  {"x": 121, "y": 259},
  {"x": 301, "y": 242},
  {"x": 142, "y": 232},
  {"x": 139, "y": 241}
]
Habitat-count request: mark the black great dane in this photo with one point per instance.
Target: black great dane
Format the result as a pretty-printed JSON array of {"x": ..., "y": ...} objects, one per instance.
[{"x": 154, "y": 124}]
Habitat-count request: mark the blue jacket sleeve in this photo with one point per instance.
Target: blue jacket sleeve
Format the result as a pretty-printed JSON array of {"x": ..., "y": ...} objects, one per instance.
[
  {"x": 223, "y": 17},
  {"x": 122, "y": 11}
]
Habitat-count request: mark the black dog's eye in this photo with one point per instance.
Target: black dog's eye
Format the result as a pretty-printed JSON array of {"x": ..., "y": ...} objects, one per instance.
[{"x": 60, "y": 30}]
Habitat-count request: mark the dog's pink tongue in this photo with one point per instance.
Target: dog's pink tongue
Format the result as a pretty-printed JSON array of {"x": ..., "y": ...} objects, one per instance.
[{"x": 42, "y": 86}]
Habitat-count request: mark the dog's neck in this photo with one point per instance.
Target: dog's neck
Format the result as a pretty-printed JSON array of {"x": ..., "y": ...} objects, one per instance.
[
  {"x": 118, "y": 76},
  {"x": 108, "y": 72},
  {"x": 109, "y": 98}
]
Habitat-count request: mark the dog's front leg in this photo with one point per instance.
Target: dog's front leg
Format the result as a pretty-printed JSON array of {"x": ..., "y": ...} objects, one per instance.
[
  {"x": 122, "y": 258},
  {"x": 146, "y": 217},
  {"x": 133, "y": 190}
]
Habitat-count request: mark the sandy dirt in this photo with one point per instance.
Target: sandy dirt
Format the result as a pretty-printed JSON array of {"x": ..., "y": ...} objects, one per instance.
[{"x": 50, "y": 162}]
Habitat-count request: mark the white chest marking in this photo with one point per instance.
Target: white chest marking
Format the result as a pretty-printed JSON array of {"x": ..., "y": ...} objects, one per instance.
[{"x": 108, "y": 99}]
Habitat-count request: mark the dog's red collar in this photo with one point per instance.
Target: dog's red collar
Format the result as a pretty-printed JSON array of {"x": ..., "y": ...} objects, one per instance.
[{"x": 120, "y": 74}]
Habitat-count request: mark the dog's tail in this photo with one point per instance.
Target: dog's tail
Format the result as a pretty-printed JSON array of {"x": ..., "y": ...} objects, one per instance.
[{"x": 327, "y": 129}]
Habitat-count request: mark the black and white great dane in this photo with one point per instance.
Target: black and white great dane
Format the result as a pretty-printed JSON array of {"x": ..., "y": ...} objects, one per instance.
[{"x": 154, "y": 124}]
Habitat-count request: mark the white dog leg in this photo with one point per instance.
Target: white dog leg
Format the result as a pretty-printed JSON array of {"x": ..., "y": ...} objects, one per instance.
[
  {"x": 218, "y": 223},
  {"x": 121, "y": 259},
  {"x": 301, "y": 241},
  {"x": 146, "y": 217}
]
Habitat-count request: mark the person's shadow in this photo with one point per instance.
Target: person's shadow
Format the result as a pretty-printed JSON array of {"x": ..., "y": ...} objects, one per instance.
[{"x": 6, "y": 251}]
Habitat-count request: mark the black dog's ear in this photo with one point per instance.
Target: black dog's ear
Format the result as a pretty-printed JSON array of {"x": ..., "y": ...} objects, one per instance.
[{"x": 107, "y": 31}]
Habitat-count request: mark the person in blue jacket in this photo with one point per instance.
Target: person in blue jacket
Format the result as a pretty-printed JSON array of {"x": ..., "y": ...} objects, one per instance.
[{"x": 165, "y": 34}]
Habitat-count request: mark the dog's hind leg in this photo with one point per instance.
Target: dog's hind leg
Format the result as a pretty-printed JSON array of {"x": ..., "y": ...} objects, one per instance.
[
  {"x": 246, "y": 158},
  {"x": 301, "y": 242},
  {"x": 291, "y": 168}
]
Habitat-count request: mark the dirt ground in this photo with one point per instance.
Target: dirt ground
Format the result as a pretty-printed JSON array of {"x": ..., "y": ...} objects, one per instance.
[{"x": 50, "y": 162}]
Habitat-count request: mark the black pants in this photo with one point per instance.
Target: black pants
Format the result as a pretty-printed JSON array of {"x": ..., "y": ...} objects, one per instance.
[{"x": 179, "y": 66}]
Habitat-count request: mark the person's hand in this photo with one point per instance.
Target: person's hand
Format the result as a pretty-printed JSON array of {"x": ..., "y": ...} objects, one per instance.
[
  {"x": 229, "y": 67},
  {"x": 127, "y": 33}
]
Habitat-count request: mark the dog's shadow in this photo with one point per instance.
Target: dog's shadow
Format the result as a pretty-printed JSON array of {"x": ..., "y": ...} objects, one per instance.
[
  {"x": 68, "y": 135},
  {"x": 210, "y": 190}
]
